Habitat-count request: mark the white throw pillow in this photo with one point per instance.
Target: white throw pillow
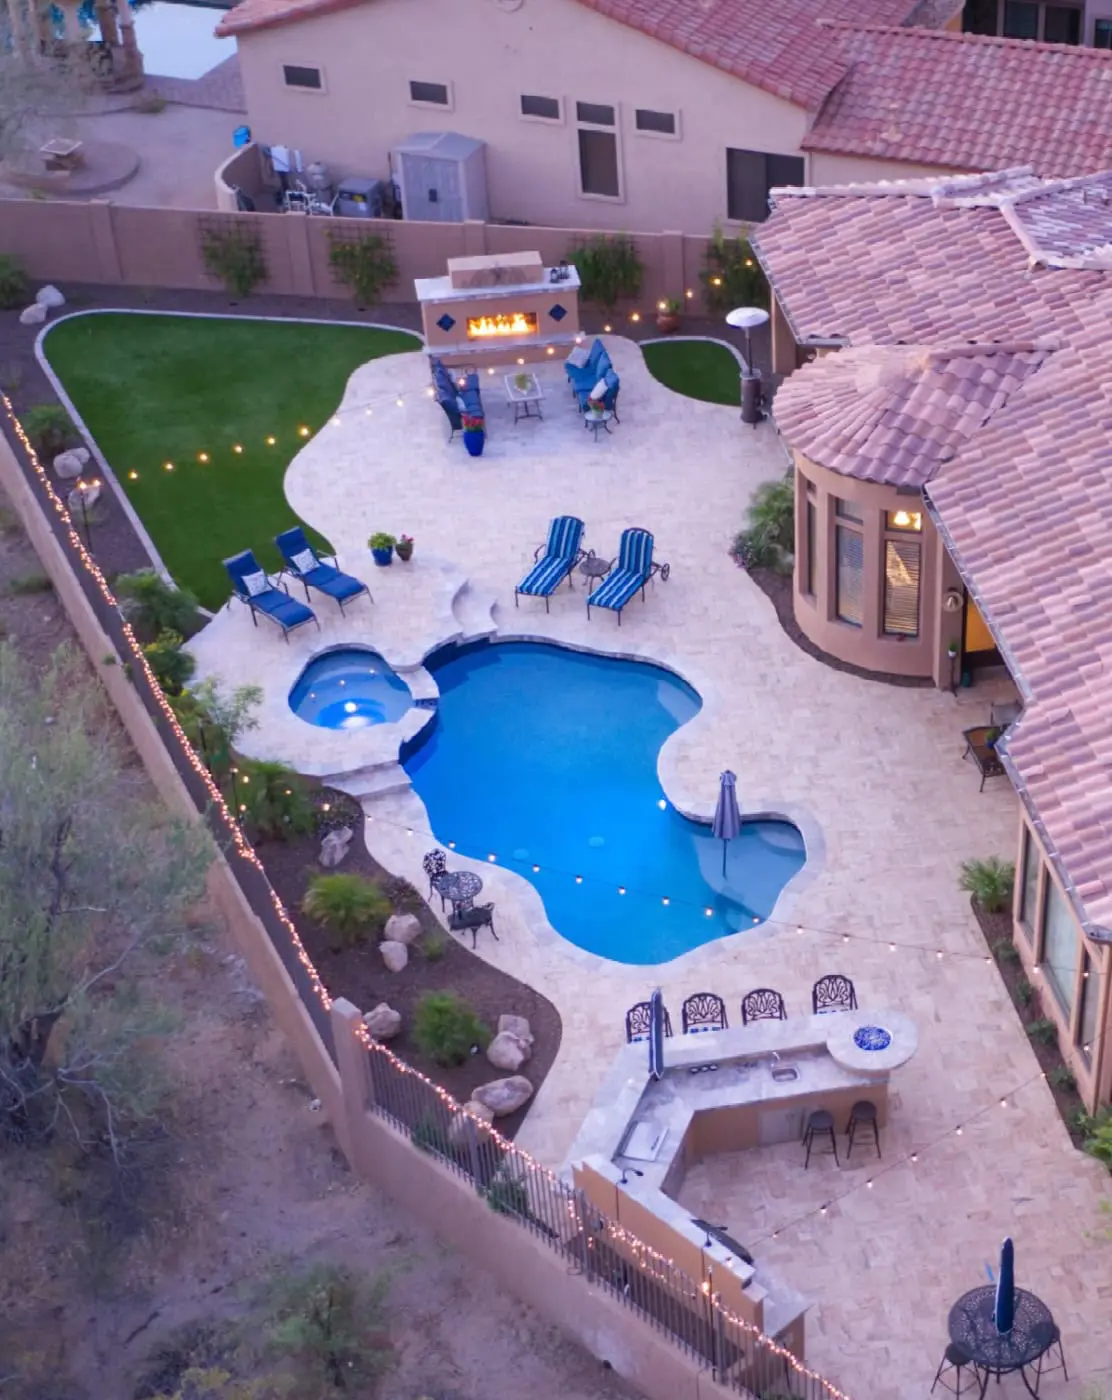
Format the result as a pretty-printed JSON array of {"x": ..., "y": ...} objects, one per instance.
[
  {"x": 460, "y": 404},
  {"x": 304, "y": 560},
  {"x": 599, "y": 391},
  {"x": 255, "y": 583},
  {"x": 579, "y": 357}
]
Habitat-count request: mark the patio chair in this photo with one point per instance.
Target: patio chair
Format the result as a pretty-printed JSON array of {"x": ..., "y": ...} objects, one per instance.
[
  {"x": 583, "y": 377},
  {"x": 475, "y": 918},
  {"x": 253, "y": 588},
  {"x": 556, "y": 559},
  {"x": 434, "y": 863},
  {"x": 634, "y": 569},
  {"x": 833, "y": 993},
  {"x": 703, "y": 1012},
  {"x": 305, "y": 565},
  {"x": 639, "y": 1019},
  {"x": 762, "y": 1004},
  {"x": 451, "y": 394},
  {"x": 608, "y": 399}
]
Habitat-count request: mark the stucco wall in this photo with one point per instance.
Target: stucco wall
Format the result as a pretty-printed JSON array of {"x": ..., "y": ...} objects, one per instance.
[
  {"x": 490, "y": 57},
  {"x": 827, "y": 168}
]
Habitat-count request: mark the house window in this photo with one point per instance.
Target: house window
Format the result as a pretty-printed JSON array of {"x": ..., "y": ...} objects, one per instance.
[
  {"x": 810, "y": 544},
  {"x": 904, "y": 520},
  {"x": 749, "y": 177},
  {"x": 296, "y": 76},
  {"x": 598, "y": 151},
  {"x": 848, "y": 510},
  {"x": 1021, "y": 19},
  {"x": 1060, "y": 942},
  {"x": 658, "y": 123},
  {"x": 980, "y": 17},
  {"x": 1029, "y": 892},
  {"x": 1061, "y": 25},
  {"x": 1102, "y": 34},
  {"x": 849, "y": 582},
  {"x": 429, "y": 94},
  {"x": 544, "y": 108},
  {"x": 901, "y": 588},
  {"x": 1090, "y": 1004}
]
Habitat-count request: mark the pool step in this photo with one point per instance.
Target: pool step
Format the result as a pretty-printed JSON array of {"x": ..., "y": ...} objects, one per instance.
[
  {"x": 376, "y": 780},
  {"x": 472, "y": 608}
]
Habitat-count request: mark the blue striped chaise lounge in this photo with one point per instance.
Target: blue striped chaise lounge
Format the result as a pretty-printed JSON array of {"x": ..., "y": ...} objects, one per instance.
[
  {"x": 634, "y": 569},
  {"x": 555, "y": 560}
]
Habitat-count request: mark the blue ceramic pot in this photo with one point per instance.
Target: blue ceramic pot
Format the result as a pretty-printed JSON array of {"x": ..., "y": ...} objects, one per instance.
[
  {"x": 382, "y": 557},
  {"x": 474, "y": 440}
]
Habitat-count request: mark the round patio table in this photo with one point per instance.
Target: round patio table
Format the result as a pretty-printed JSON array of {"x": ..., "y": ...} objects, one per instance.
[
  {"x": 973, "y": 1328},
  {"x": 459, "y": 887},
  {"x": 593, "y": 568}
]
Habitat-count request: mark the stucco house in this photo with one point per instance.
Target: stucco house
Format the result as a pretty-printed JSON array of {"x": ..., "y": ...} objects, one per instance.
[{"x": 951, "y": 450}]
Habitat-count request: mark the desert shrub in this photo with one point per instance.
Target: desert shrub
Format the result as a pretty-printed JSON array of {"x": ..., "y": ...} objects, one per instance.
[
  {"x": 1005, "y": 950},
  {"x": 350, "y": 907},
  {"x": 506, "y": 1197},
  {"x": 23, "y": 584},
  {"x": 1024, "y": 992},
  {"x": 769, "y": 538},
  {"x": 171, "y": 665},
  {"x": 434, "y": 946},
  {"x": 274, "y": 798},
  {"x": 213, "y": 721},
  {"x": 152, "y": 605},
  {"x": 1062, "y": 1077},
  {"x": 235, "y": 255},
  {"x": 49, "y": 427},
  {"x": 427, "y": 1135},
  {"x": 990, "y": 882},
  {"x": 13, "y": 283},
  {"x": 1043, "y": 1030},
  {"x": 731, "y": 275},
  {"x": 364, "y": 264},
  {"x": 609, "y": 268},
  {"x": 1098, "y": 1137},
  {"x": 329, "y": 1323},
  {"x": 445, "y": 1027}
]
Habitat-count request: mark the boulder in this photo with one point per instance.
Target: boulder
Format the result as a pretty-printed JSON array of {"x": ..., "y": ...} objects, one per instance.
[
  {"x": 33, "y": 315},
  {"x": 504, "y": 1096},
  {"x": 49, "y": 296},
  {"x": 507, "y": 1051},
  {"x": 383, "y": 1021},
  {"x": 70, "y": 464},
  {"x": 516, "y": 1025},
  {"x": 394, "y": 955},
  {"x": 460, "y": 1125},
  {"x": 82, "y": 501},
  {"x": 335, "y": 846},
  {"x": 402, "y": 928}
]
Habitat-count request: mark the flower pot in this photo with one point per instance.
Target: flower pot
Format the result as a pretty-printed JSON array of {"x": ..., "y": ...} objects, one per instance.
[
  {"x": 382, "y": 557},
  {"x": 404, "y": 551},
  {"x": 474, "y": 440},
  {"x": 667, "y": 323}
]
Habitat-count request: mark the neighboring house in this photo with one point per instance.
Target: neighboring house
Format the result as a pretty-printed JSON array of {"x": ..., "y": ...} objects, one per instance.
[
  {"x": 624, "y": 114},
  {"x": 953, "y": 463},
  {"x": 1049, "y": 20}
]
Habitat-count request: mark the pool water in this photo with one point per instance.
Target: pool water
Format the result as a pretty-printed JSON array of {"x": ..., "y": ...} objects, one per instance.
[
  {"x": 349, "y": 688},
  {"x": 542, "y": 756},
  {"x": 177, "y": 40}
]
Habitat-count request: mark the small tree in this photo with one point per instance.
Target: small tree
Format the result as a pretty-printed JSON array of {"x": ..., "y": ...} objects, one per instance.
[
  {"x": 49, "y": 427},
  {"x": 609, "y": 268},
  {"x": 731, "y": 274},
  {"x": 364, "y": 264},
  {"x": 152, "y": 605},
  {"x": 445, "y": 1027},
  {"x": 213, "y": 721},
  {"x": 275, "y": 799},
  {"x": 171, "y": 665},
  {"x": 234, "y": 254},
  {"x": 329, "y": 1323},
  {"x": 769, "y": 538},
  {"x": 349, "y": 906}
]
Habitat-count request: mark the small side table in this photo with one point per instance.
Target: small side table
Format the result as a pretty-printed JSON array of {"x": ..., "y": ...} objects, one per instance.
[
  {"x": 979, "y": 748},
  {"x": 593, "y": 568},
  {"x": 595, "y": 421}
]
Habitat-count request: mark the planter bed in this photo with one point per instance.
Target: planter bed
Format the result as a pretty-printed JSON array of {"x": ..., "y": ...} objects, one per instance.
[{"x": 359, "y": 974}]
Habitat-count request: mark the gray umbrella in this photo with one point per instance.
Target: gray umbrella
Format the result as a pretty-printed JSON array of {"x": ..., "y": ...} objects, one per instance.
[{"x": 727, "y": 818}]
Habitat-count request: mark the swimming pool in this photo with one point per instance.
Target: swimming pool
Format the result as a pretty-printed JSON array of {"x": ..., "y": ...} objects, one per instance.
[
  {"x": 546, "y": 757},
  {"x": 349, "y": 688}
]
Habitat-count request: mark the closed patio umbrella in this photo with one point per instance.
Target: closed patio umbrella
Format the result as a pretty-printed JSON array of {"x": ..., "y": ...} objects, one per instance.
[
  {"x": 727, "y": 818},
  {"x": 1004, "y": 1311},
  {"x": 656, "y": 1035}
]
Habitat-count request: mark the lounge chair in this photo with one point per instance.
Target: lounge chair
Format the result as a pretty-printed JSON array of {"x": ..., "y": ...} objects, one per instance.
[
  {"x": 303, "y": 563},
  {"x": 455, "y": 397},
  {"x": 256, "y": 590},
  {"x": 609, "y": 399},
  {"x": 584, "y": 377},
  {"x": 634, "y": 569},
  {"x": 555, "y": 560}
]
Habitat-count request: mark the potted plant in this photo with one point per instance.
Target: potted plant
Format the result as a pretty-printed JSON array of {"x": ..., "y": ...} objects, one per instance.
[
  {"x": 404, "y": 548},
  {"x": 382, "y": 548},
  {"x": 474, "y": 433},
  {"x": 668, "y": 316},
  {"x": 523, "y": 382}
]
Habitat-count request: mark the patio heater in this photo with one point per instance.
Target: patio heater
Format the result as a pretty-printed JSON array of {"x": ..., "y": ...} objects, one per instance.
[{"x": 747, "y": 319}]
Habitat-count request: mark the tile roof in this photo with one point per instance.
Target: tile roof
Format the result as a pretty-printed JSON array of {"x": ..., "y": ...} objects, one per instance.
[
  {"x": 967, "y": 102},
  {"x": 1024, "y": 503},
  {"x": 894, "y": 416}
]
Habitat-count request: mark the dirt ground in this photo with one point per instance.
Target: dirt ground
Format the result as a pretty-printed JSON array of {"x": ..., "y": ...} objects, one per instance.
[{"x": 245, "y": 1179}]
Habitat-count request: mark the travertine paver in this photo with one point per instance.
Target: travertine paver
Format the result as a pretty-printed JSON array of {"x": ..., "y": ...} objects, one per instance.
[{"x": 872, "y": 774}]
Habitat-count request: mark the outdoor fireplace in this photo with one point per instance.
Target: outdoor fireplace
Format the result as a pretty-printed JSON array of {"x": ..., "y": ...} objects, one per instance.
[{"x": 499, "y": 310}]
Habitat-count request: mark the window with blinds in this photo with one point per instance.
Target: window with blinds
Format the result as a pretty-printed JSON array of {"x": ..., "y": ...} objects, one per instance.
[
  {"x": 850, "y": 577},
  {"x": 810, "y": 545},
  {"x": 1060, "y": 948},
  {"x": 901, "y": 588},
  {"x": 1029, "y": 895}
]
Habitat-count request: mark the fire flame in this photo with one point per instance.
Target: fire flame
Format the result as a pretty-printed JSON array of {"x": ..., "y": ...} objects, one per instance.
[{"x": 520, "y": 323}]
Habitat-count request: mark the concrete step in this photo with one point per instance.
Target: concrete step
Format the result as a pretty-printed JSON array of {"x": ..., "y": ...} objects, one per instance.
[
  {"x": 473, "y": 609},
  {"x": 376, "y": 780}
]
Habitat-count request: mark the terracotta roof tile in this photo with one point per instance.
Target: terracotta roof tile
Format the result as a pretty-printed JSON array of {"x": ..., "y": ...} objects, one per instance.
[{"x": 967, "y": 102}]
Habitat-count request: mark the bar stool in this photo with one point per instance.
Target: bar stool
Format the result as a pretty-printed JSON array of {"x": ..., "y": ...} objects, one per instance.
[
  {"x": 952, "y": 1364},
  {"x": 862, "y": 1114},
  {"x": 818, "y": 1123}
]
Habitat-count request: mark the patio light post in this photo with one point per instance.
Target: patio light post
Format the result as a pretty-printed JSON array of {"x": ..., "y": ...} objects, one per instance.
[{"x": 83, "y": 488}]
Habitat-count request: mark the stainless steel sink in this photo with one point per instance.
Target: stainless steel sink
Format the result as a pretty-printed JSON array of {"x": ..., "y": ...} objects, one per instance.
[{"x": 783, "y": 1074}]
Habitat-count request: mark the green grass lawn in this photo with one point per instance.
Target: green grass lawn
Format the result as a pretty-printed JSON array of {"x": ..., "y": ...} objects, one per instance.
[
  {"x": 697, "y": 368},
  {"x": 159, "y": 389}
]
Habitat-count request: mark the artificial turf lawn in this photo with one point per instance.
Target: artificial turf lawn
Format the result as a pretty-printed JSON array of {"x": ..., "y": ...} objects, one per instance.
[
  {"x": 698, "y": 368},
  {"x": 158, "y": 389}
]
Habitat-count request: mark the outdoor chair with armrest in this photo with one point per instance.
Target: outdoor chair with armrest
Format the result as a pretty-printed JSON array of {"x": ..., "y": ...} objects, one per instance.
[
  {"x": 253, "y": 588},
  {"x": 313, "y": 571},
  {"x": 634, "y": 569},
  {"x": 556, "y": 559}
]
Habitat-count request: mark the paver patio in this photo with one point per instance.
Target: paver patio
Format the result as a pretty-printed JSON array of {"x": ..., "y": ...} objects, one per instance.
[{"x": 873, "y": 776}]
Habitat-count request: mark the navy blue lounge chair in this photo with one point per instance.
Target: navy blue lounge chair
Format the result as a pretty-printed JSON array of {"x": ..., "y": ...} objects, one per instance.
[
  {"x": 254, "y": 588},
  {"x": 450, "y": 393},
  {"x": 555, "y": 560},
  {"x": 313, "y": 571},
  {"x": 634, "y": 569},
  {"x": 584, "y": 378}
]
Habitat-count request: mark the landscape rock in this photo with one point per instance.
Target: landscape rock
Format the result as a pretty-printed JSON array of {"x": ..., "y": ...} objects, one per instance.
[
  {"x": 33, "y": 315},
  {"x": 49, "y": 296},
  {"x": 85, "y": 500},
  {"x": 516, "y": 1025},
  {"x": 402, "y": 928},
  {"x": 383, "y": 1021},
  {"x": 70, "y": 464},
  {"x": 394, "y": 955},
  {"x": 508, "y": 1051},
  {"x": 458, "y": 1128},
  {"x": 335, "y": 846},
  {"x": 504, "y": 1096}
]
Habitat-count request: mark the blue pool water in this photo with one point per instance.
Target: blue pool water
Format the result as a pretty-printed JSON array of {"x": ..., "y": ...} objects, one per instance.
[
  {"x": 349, "y": 688},
  {"x": 544, "y": 756}
]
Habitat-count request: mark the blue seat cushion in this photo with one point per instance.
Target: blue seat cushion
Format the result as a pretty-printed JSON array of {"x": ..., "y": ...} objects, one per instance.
[
  {"x": 282, "y": 608},
  {"x": 333, "y": 581},
  {"x": 546, "y": 576},
  {"x": 616, "y": 590}
]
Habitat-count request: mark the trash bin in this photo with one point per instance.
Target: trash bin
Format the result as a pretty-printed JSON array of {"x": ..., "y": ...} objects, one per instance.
[
  {"x": 241, "y": 136},
  {"x": 751, "y": 411}
]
